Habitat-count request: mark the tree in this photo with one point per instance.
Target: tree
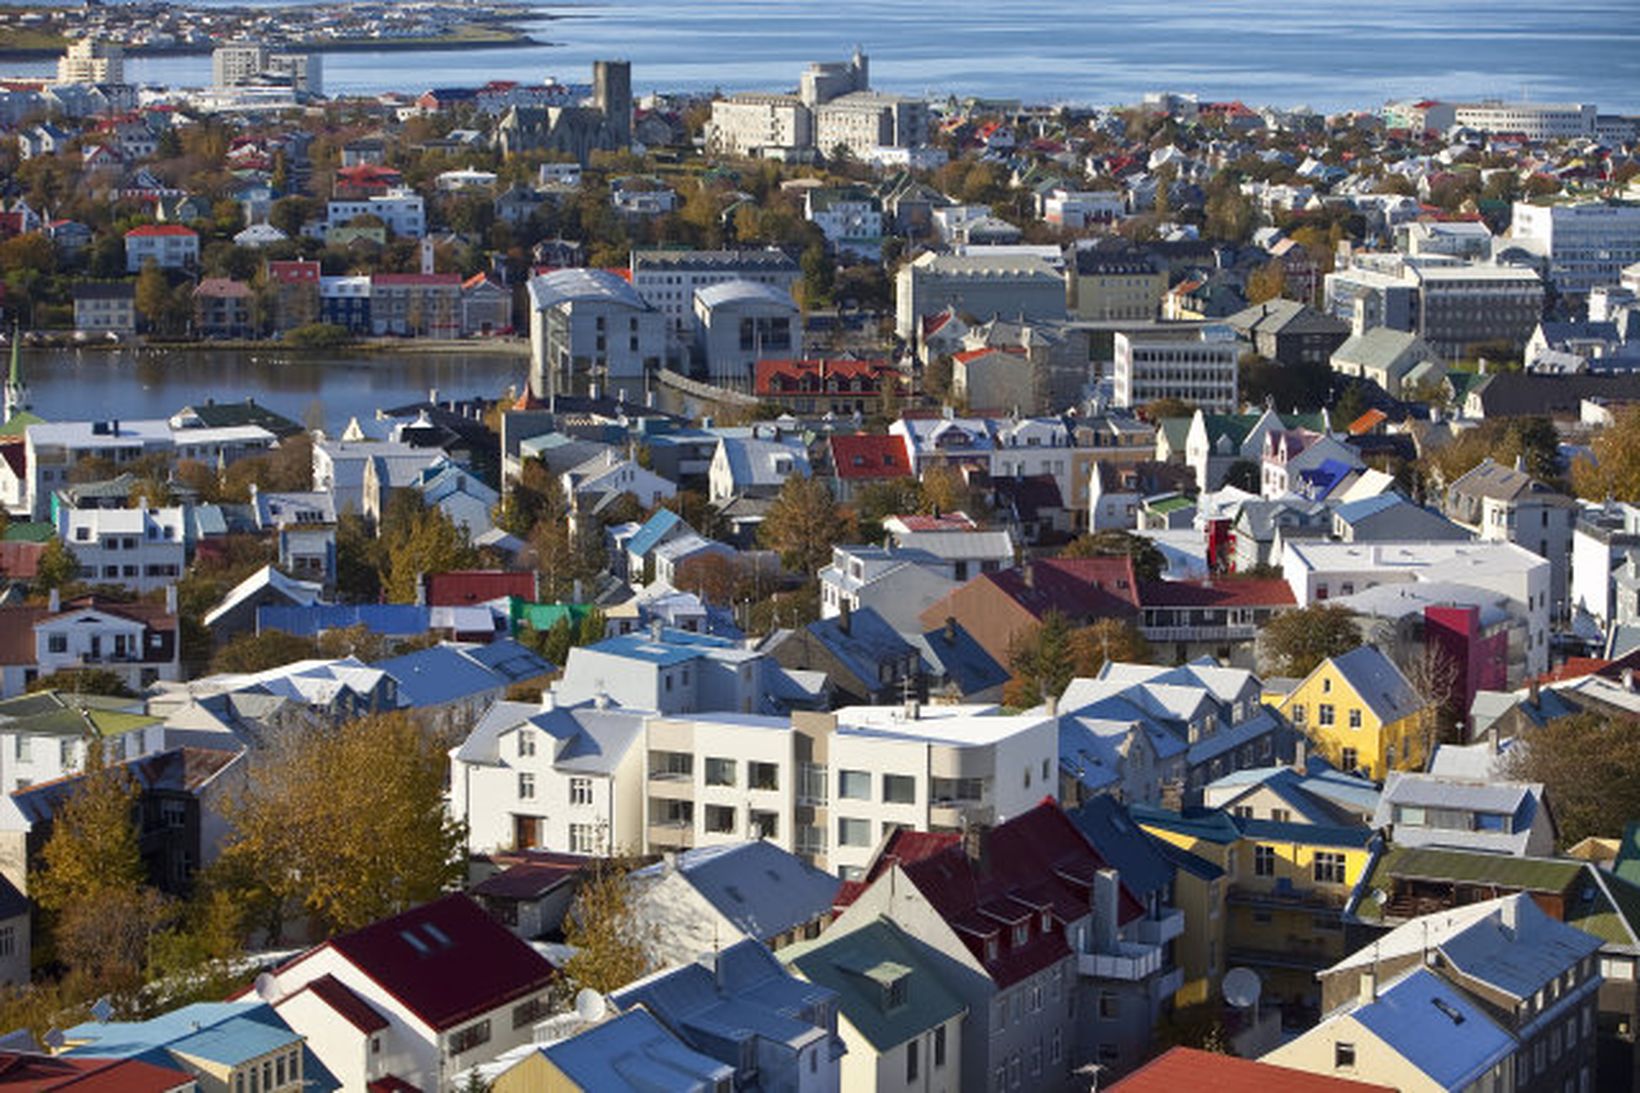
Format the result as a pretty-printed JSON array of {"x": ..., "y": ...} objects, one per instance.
[
  {"x": 419, "y": 539},
  {"x": 153, "y": 294},
  {"x": 1105, "y": 641},
  {"x": 57, "y": 567},
  {"x": 84, "y": 681},
  {"x": 819, "y": 271},
  {"x": 1158, "y": 409},
  {"x": 258, "y": 652},
  {"x": 1148, "y": 560},
  {"x": 608, "y": 942},
  {"x": 1436, "y": 676},
  {"x": 945, "y": 489},
  {"x": 1615, "y": 469},
  {"x": 1040, "y": 660},
  {"x": 803, "y": 524},
  {"x": 346, "y": 826},
  {"x": 534, "y": 494},
  {"x": 1589, "y": 765},
  {"x": 1267, "y": 282},
  {"x": 1296, "y": 641}
]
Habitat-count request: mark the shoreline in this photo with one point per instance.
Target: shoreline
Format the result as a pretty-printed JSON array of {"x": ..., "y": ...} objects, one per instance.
[
  {"x": 274, "y": 351},
  {"x": 508, "y": 38}
]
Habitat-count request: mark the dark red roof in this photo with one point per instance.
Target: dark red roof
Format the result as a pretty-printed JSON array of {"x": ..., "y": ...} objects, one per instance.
[
  {"x": 149, "y": 230},
  {"x": 1239, "y": 592},
  {"x": 27, "y": 1073},
  {"x": 15, "y": 453},
  {"x": 813, "y": 370},
  {"x": 865, "y": 456},
  {"x": 1076, "y": 587},
  {"x": 445, "y": 961},
  {"x": 294, "y": 270},
  {"x": 460, "y": 588},
  {"x": 1189, "y": 1068},
  {"x": 1036, "y": 862},
  {"x": 529, "y": 879},
  {"x": 416, "y": 279},
  {"x": 391, "y": 1084},
  {"x": 21, "y": 560},
  {"x": 348, "y": 1005}
]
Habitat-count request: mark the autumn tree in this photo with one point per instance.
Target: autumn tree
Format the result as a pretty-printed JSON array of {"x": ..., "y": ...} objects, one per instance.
[
  {"x": 1267, "y": 282},
  {"x": 803, "y": 524},
  {"x": 417, "y": 539},
  {"x": 153, "y": 295},
  {"x": 534, "y": 495},
  {"x": 1105, "y": 641},
  {"x": 84, "y": 681},
  {"x": 257, "y": 652},
  {"x": 607, "y": 940},
  {"x": 56, "y": 568},
  {"x": 1615, "y": 469},
  {"x": 345, "y": 826},
  {"x": 1040, "y": 659},
  {"x": 1589, "y": 765},
  {"x": 945, "y": 489},
  {"x": 1294, "y": 642}
]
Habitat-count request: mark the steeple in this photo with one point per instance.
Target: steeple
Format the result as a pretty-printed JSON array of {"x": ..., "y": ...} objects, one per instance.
[{"x": 16, "y": 398}]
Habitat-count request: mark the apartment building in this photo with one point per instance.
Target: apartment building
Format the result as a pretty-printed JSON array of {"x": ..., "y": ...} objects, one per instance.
[
  {"x": 401, "y": 209},
  {"x": 1536, "y": 121},
  {"x": 414, "y": 304},
  {"x": 668, "y": 280},
  {"x": 1504, "y": 504},
  {"x": 739, "y": 323},
  {"x": 719, "y": 779},
  {"x": 92, "y": 60},
  {"x": 139, "y": 548},
  {"x": 979, "y": 284},
  {"x": 590, "y": 328},
  {"x": 1586, "y": 243},
  {"x": 168, "y": 246},
  {"x": 1450, "y": 303},
  {"x": 1196, "y": 364}
]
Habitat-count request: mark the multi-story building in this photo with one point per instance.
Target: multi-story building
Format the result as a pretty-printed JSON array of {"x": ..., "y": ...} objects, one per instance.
[
  {"x": 758, "y": 123},
  {"x": 168, "y": 246},
  {"x": 1586, "y": 243},
  {"x": 1450, "y": 303},
  {"x": 1502, "y": 504},
  {"x": 1289, "y": 332},
  {"x": 222, "y": 308},
  {"x": 821, "y": 385},
  {"x": 590, "y": 328},
  {"x": 138, "y": 548},
  {"x": 1536, "y": 121},
  {"x": 105, "y": 307},
  {"x": 1602, "y": 538},
  {"x": 983, "y": 285},
  {"x": 738, "y": 323},
  {"x": 851, "y": 219},
  {"x": 401, "y": 209},
  {"x": 1114, "y": 287},
  {"x": 415, "y": 304},
  {"x": 345, "y": 302},
  {"x": 295, "y": 283},
  {"x": 718, "y": 779},
  {"x": 1362, "y": 714},
  {"x": 834, "y": 109},
  {"x": 92, "y": 60},
  {"x": 1198, "y": 365},
  {"x": 668, "y": 280},
  {"x": 237, "y": 63}
]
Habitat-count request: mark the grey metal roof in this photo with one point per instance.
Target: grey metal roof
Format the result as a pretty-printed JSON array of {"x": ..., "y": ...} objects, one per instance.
[
  {"x": 577, "y": 285},
  {"x": 763, "y": 890},
  {"x": 1379, "y": 682},
  {"x": 729, "y": 293}
]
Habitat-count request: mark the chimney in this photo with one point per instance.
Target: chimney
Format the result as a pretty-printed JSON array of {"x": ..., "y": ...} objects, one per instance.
[
  {"x": 843, "y": 615},
  {"x": 1509, "y": 912},
  {"x": 655, "y": 627},
  {"x": 1628, "y": 679},
  {"x": 950, "y": 628},
  {"x": 976, "y": 843},
  {"x": 170, "y": 599},
  {"x": 913, "y": 710},
  {"x": 1028, "y": 572},
  {"x": 1052, "y": 704},
  {"x": 432, "y": 395},
  {"x": 1369, "y": 985},
  {"x": 1107, "y": 897},
  {"x": 1532, "y": 694},
  {"x": 549, "y": 700},
  {"x": 56, "y": 601},
  {"x": 1301, "y": 756}
]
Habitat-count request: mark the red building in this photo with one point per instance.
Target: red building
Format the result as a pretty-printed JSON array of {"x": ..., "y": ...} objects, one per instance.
[{"x": 819, "y": 386}]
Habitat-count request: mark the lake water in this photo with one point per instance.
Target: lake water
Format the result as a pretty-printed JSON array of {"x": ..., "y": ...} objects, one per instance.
[
  {"x": 1323, "y": 53},
  {"x": 66, "y": 385}
]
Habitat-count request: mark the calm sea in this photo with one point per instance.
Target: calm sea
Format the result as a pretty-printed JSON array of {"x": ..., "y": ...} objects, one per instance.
[{"x": 1323, "y": 53}]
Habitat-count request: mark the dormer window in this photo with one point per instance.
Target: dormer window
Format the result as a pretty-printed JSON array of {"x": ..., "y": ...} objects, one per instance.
[
  {"x": 1047, "y": 921},
  {"x": 1022, "y": 933},
  {"x": 896, "y": 991},
  {"x": 991, "y": 948}
]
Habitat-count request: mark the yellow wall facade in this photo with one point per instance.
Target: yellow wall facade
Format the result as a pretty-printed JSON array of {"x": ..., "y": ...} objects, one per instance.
[{"x": 1371, "y": 742}]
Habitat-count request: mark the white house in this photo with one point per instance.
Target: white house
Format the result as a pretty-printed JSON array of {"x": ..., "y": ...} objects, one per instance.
[{"x": 141, "y": 548}]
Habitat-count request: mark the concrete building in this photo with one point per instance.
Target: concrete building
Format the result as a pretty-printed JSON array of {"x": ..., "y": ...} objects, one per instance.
[
  {"x": 401, "y": 209},
  {"x": 983, "y": 285},
  {"x": 604, "y": 123},
  {"x": 668, "y": 280},
  {"x": 137, "y": 548},
  {"x": 1502, "y": 504},
  {"x": 92, "y": 60},
  {"x": 1196, "y": 364},
  {"x": 1536, "y": 121},
  {"x": 1586, "y": 243},
  {"x": 1602, "y": 538},
  {"x": 834, "y": 110},
  {"x": 168, "y": 246},
  {"x": 1114, "y": 288},
  {"x": 1449, "y": 302},
  {"x": 105, "y": 307},
  {"x": 760, "y": 124},
  {"x": 739, "y": 323},
  {"x": 591, "y": 328}
]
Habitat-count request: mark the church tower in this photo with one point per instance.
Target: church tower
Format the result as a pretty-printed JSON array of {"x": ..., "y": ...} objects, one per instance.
[{"x": 16, "y": 390}]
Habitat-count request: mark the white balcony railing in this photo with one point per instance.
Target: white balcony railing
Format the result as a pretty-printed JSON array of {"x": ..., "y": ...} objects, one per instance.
[
  {"x": 1160, "y": 930},
  {"x": 1132, "y": 963}
]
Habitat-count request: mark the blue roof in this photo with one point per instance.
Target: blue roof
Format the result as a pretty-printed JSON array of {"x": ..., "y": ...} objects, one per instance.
[
  {"x": 870, "y": 640},
  {"x": 963, "y": 660},
  {"x": 1360, "y": 509},
  {"x": 673, "y": 646},
  {"x": 654, "y": 529},
  {"x": 445, "y": 673},
  {"x": 234, "y": 1041},
  {"x": 632, "y": 1051},
  {"x": 388, "y": 619},
  {"x": 1436, "y": 1028},
  {"x": 222, "y": 1032},
  {"x": 1324, "y": 477},
  {"x": 511, "y": 659},
  {"x": 759, "y": 887},
  {"x": 1104, "y": 822}
]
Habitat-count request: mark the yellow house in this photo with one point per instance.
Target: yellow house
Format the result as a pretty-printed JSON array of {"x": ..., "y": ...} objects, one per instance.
[
  {"x": 1284, "y": 890},
  {"x": 1361, "y": 713}
]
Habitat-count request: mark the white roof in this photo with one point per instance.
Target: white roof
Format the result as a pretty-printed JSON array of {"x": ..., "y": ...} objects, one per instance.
[
  {"x": 963, "y": 726},
  {"x": 1318, "y": 556}
]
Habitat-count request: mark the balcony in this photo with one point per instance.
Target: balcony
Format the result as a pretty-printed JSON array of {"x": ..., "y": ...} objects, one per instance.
[
  {"x": 1167, "y": 984},
  {"x": 1131, "y": 963},
  {"x": 1242, "y": 632},
  {"x": 669, "y": 835},
  {"x": 1284, "y": 895},
  {"x": 1160, "y": 930}
]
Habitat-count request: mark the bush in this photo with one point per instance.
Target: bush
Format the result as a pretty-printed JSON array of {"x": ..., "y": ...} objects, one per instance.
[{"x": 318, "y": 336}]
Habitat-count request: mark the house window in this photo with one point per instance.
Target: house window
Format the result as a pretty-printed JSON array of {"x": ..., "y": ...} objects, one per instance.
[
  {"x": 1329, "y": 867},
  {"x": 939, "y": 1047},
  {"x": 1298, "y": 713},
  {"x": 528, "y": 1013},
  {"x": 911, "y": 1061},
  {"x": 1022, "y": 934},
  {"x": 1343, "y": 1056},
  {"x": 470, "y": 1037},
  {"x": 765, "y": 776},
  {"x": 526, "y": 743},
  {"x": 582, "y": 839},
  {"x": 1324, "y": 713},
  {"x": 720, "y": 820},
  {"x": 1349, "y": 758},
  {"x": 1264, "y": 861},
  {"x": 526, "y": 786},
  {"x": 854, "y": 785},
  {"x": 852, "y": 832},
  {"x": 1110, "y": 1006},
  {"x": 899, "y": 789},
  {"x": 720, "y": 772},
  {"x": 8, "y": 941},
  {"x": 580, "y": 791},
  {"x": 1355, "y": 719},
  {"x": 57, "y": 643}
]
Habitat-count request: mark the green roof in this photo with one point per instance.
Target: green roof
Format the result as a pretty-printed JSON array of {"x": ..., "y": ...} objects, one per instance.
[
  {"x": 62, "y": 713},
  {"x": 1171, "y": 504},
  {"x": 860, "y": 965},
  {"x": 19, "y": 422},
  {"x": 1627, "y": 862},
  {"x": 1464, "y": 867},
  {"x": 544, "y": 616},
  {"x": 29, "y": 531}
]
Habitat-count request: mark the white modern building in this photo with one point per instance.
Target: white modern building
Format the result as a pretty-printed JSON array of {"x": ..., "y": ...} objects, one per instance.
[
  {"x": 92, "y": 60},
  {"x": 739, "y": 323},
  {"x": 1586, "y": 243},
  {"x": 1536, "y": 121},
  {"x": 1198, "y": 365},
  {"x": 401, "y": 209},
  {"x": 590, "y": 327},
  {"x": 139, "y": 548},
  {"x": 668, "y": 280}
]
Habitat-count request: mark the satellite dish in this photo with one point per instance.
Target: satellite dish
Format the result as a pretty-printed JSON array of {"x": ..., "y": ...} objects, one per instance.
[
  {"x": 54, "y": 1039},
  {"x": 267, "y": 987},
  {"x": 1241, "y": 987},
  {"x": 1379, "y": 896},
  {"x": 102, "y": 1009},
  {"x": 590, "y": 1005}
]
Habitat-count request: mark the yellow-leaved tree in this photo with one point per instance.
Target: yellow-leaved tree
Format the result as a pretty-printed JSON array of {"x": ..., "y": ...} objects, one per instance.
[{"x": 343, "y": 826}]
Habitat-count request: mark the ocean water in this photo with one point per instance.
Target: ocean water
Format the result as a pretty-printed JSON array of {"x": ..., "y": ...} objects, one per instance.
[{"x": 1322, "y": 53}]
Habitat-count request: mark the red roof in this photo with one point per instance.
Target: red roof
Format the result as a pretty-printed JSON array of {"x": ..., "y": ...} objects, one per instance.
[
  {"x": 1367, "y": 422},
  {"x": 1077, "y": 587},
  {"x": 863, "y": 456},
  {"x": 21, "y": 560},
  {"x": 27, "y": 1073},
  {"x": 391, "y": 1084},
  {"x": 293, "y": 271},
  {"x": 152, "y": 230},
  {"x": 529, "y": 880},
  {"x": 415, "y": 279},
  {"x": 1036, "y": 863},
  {"x": 776, "y": 377},
  {"x": 348, "y": 1005},
  {"x": 974, "y": 354},
  {"x": 945, "y": 521},
  {"x": 463, "y": 587},
  {"x": 1189, "y": 1068},
  {"x": 1240, "y": 592},
  {"x": 445, "y": 961}
]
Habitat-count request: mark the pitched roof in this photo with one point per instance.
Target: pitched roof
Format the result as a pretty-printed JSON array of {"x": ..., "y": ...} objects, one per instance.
[
  {"x": 445, "y": 961},
  {"x": 1191, "y": 1068},
  {"x": 763, "y": 890},
  {"x": 25, "y": 1072},
  {"x": 864, "y": 456},
  {"x": 634, "y": 1052},
  {"x": 1419, "y": 1016},
  {"x": 1379, "y": 683},
  {"x": 458, "y": 587},
  {"x": 348, "y": 1005}
]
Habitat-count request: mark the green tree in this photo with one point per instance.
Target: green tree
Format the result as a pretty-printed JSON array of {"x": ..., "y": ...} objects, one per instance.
[
  {"x": 1148, "y": 560},
  {"x": 1615, "y": 469},
  {"x": 803, "y": 524},
  {"x": 57, "y": 567},
  {"x": 606, "y": 936},
  {"x": 84, "y": 681},
  {"x": 819, "y": 271},
  {"x": 1040, "y": 660},
  {"x": 1589, "y": 765},
  {"x": 418, "y": 539},
  {"x": 346, "y": 826},
  {"x": 259, "y": 652},
  {"x": 1296, "y": 641}
]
